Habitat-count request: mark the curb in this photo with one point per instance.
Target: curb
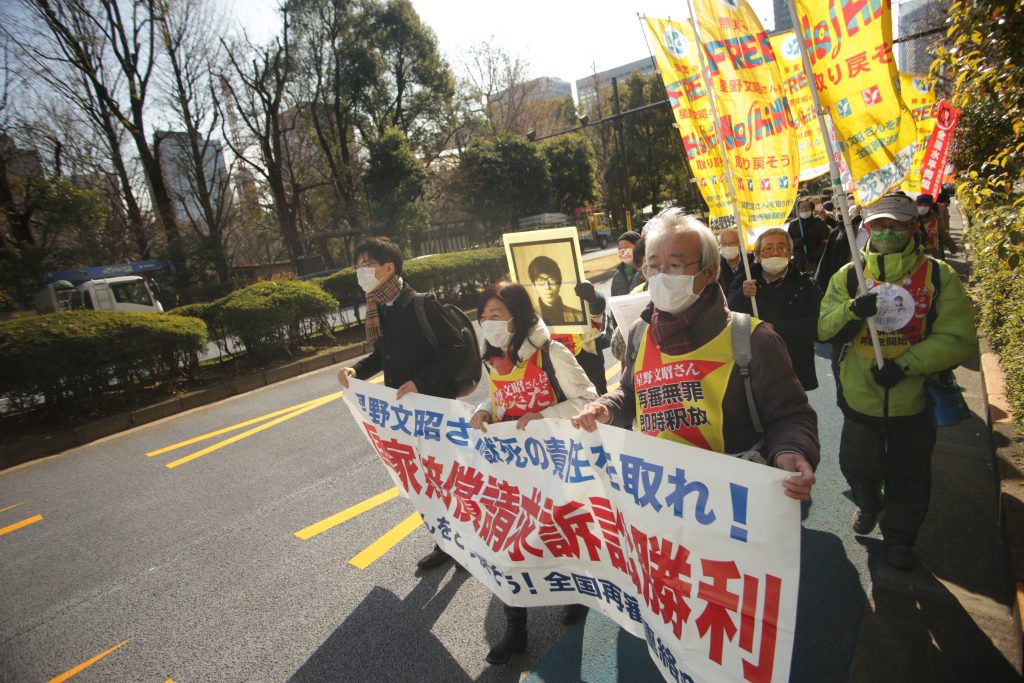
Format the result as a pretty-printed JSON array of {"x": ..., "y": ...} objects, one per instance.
[
  {"x": 35, "y": 447},
  {"x": 1007, "y": 453}
]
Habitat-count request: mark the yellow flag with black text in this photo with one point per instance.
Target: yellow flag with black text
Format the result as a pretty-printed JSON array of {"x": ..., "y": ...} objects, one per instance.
[
  {"x": 919, "y": 95},
  {"x": 759, "y": 128},
  {"x": 850, "y": 48},
  {"x": 813, "y": 156},
  {"x": 675, "y": 51}
]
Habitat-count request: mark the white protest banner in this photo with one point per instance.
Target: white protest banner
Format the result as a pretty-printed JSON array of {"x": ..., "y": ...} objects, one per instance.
[
  {"x": 697, "y": 553},
  {"x": 628, "y": 307}
]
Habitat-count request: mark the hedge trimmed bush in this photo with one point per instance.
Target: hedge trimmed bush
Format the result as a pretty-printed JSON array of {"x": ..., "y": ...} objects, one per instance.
[
  {"x": 274, "y": 315},
  {"x": 998, "y": 290},
  {"x": 71, "y": 357},
  {"x": 457, "y": 277}
]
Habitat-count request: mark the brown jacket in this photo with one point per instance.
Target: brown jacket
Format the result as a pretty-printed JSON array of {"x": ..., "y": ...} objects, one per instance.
[{"x": 789, "y": 421}]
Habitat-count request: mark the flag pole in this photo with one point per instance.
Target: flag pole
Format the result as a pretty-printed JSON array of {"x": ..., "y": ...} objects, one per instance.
[
  {"x": 713, "y": 100},
  {"x": 837, "y": 183}
]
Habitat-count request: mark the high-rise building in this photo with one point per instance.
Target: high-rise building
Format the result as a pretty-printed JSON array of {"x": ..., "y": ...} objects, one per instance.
[
  {"x": 919, "y": 16},
  {"x": 181, "y": 180},
  {"x": 783, "y": 22},
  {"x": 588, "y": 88}
]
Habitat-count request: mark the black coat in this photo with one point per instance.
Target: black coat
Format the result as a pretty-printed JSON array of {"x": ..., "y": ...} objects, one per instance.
[
  {"x": 726, "y": 274},
  {"x": 809, "y": 238},
  {"x": 836, "y": 255},
  {"x": 791, "y": 306},
  {"x": 404, "y": 353},
  {"x": 624, "y": 285}
]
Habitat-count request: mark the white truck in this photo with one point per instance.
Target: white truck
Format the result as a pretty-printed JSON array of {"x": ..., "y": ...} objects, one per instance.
[{"x": 129, "y": 293}]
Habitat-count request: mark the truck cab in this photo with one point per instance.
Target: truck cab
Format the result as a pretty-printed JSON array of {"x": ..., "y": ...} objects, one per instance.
[{"x": 128, "y": 293}]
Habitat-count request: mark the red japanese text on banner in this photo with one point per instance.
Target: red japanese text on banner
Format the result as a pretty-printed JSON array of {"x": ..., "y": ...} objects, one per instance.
[
  {"x": 850, "y": 49},
  {"x": 696, "y": 552},
  {"x": 933, "y": 168},
  {"x": 675, "y": 51},
  {"x": 758, "y": 125}
]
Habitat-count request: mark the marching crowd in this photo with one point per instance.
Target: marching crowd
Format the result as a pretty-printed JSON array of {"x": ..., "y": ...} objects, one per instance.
[{"x": 754, "y": 403}]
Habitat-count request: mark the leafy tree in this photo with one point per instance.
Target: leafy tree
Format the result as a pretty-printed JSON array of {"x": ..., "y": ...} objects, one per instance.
[
  {"x": 571, "y": 162},
  {"x": 395, "y": 183},
  {"x": 503, "y": 180}
]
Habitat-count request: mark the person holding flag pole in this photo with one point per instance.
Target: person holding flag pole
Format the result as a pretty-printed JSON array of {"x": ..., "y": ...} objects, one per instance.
[
  {"x": 837, "y": 184},
  {"x": 713, "y": 101}
]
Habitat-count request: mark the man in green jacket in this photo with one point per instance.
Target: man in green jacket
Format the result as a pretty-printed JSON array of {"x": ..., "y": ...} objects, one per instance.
[{"x": 926, "y": 325}]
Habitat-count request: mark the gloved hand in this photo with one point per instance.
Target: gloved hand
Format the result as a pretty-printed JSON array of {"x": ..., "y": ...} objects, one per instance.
[
  {"x": 865, "y": 305},
  {"x": 889, "y": 375},
  {"x": 586, "y": 291}
]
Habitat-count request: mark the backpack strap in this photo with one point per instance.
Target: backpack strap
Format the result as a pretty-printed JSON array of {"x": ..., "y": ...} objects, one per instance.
[
  {"x": 635, "y": 337},
  {"x": 545, "y": 361},
  {"x": 741, "y": 354},
  {"x": 419, "y": 304}
]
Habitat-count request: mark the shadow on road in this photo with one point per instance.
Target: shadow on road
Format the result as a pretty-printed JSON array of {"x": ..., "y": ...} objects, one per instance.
[
  {"x": 829, "y": 609},
  {"x": 919, "y": 631},
  {"x": 389, "y": 639}
]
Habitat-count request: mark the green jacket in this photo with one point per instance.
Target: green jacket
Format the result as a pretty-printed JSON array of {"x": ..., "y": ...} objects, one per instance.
[{"x": 952, "y": 338}]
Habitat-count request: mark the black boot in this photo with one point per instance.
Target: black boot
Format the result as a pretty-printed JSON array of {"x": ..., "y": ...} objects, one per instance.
[
  {"x": 436, "y": 558},
  {"x": 514, "y": 642}
]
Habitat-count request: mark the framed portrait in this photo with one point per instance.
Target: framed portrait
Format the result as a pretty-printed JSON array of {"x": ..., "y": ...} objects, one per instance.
[{"x": 549, "y": 264}]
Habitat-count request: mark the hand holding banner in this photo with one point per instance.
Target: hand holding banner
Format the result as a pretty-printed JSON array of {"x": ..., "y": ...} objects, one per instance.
[{"x": 696, "y": 552}]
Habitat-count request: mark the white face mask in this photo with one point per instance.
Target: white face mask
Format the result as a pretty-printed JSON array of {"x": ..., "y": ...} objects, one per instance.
[
  {"x": 922, "y": 210},
  {"x": 774, "y": 265},
  {"x": 367, "y": 278},
  {"x": 806, "y": 214},
  {"x": 729, "y": 253},
  {"x": 496, "y": 333},
  {"x": 672, "y": 293}
]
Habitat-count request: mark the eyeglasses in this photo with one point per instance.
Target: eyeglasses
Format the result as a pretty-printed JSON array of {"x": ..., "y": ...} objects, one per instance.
[
  {"x": 546, "y": 282},
  {"x": 772, "y": 250},
  {"x": 667, "y": 269}
]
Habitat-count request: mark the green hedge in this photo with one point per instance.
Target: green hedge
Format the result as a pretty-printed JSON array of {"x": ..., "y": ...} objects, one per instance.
[
  {"x": 998, "y": 290},
  {"x": 457, "y": 277},
  {"x": 70, "y": 358},
  {"x": 274, "y": 315}
]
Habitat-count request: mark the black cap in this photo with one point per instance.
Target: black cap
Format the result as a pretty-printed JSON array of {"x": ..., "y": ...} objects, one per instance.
[
  {"x": 925, "y": 199},
  {"x": 629, "y": 236}
]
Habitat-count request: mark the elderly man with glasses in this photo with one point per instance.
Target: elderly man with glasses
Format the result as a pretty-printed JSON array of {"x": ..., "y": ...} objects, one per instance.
[
  {"x": 786, "y": 298},
  {"x": 688, "y": 323}
]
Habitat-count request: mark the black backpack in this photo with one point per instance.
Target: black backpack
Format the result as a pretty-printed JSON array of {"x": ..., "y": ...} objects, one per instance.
[{"x": 468, "y": 375}]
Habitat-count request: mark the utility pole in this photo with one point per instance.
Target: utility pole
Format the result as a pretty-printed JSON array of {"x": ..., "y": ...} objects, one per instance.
[{"x": 617, "y": 122}]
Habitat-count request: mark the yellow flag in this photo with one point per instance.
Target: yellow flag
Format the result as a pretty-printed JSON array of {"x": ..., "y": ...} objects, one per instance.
[
  {"x": 850, "y": 48},
  {"x": 919, "y": 95},
  {"x": 813, "y": 157},
  {"x": 675, "y": 51},
  {"x": 757, "y": 123}
]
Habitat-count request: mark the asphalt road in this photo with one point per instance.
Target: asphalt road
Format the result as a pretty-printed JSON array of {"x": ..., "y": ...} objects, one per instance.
[{"x": 188, "y": 563}]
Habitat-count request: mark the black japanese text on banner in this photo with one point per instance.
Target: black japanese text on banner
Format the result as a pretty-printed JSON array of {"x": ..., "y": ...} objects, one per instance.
[{"x": 696, "y": 552}]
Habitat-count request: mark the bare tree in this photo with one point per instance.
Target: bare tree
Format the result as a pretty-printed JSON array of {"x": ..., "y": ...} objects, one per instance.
[
  {"x": 112, "y": 45},
  {"x": 502, "y": 89},
  {"x": 256, "y": 85},
  {"x": 185, "y": 29}
]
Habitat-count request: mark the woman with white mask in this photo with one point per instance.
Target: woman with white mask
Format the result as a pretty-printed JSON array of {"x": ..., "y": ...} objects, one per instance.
[{"x": 532, "y": 377}]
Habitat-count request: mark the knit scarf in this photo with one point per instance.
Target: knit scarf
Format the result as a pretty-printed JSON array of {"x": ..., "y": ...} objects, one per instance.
[
  {"x": 672, "y": 332},
  {"x": 385, "y": 292}
]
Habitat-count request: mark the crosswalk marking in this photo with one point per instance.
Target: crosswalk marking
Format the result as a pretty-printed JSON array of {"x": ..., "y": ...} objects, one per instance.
[
  {"x": 346, "y": 514},
  {"x": 372, "y": 552}
]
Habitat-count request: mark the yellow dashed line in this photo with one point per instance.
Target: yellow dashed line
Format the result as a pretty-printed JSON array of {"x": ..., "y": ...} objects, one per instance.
[
  {"x": 386, "y": 542},
  {"x": 84, "y": 665},
  {"x": 22, "y": 523},
  {"x": 346, "y": 514}
]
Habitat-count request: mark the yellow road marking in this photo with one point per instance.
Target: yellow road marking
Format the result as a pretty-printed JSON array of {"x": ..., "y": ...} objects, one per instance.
[
  {"x": 84, "y": 665},
  {"x": 225, "y": 430},
  {"x": 9, "y": 507},
  {"x": 18, "y": 525},
  {"x": 613, "y": 370},
  {"x": 238, "y": 437},
  {"x": 386, "y": 542},
  {"x": 346, "y": 514}
]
